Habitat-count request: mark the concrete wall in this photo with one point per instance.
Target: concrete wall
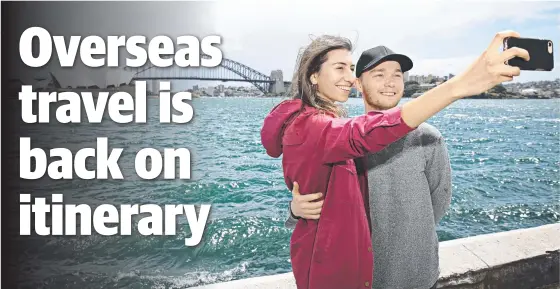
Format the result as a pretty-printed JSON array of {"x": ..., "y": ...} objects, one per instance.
[{"x": 519, "y": 259}]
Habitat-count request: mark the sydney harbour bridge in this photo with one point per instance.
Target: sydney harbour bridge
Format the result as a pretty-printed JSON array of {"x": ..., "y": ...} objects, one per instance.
[{"x": 227, "y": 71}]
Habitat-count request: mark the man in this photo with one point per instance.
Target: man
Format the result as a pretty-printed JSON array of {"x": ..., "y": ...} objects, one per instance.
[{"x": 409, "y": 184}]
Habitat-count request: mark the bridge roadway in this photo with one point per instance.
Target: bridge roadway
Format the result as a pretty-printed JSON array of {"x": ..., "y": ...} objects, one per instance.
[{"x": 228, "y": 70}]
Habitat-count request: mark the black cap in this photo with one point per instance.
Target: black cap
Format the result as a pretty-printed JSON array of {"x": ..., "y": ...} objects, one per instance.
[{"x": 374, "y": 56}]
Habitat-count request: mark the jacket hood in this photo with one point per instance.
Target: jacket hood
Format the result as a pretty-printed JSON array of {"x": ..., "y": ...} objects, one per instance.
[{"x": 275, "y": 123}]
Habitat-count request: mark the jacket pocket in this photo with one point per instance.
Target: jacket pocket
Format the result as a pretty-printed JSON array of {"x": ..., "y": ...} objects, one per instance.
[
  {"x": 323, "y": 241},
  {"x": 301, "y": 248},
  {"x": 335, "y": 264},
  {"x": 302, "y": 232}
]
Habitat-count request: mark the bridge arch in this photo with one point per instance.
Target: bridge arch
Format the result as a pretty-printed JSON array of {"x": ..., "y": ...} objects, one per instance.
[{"x": 260, "y": 80}]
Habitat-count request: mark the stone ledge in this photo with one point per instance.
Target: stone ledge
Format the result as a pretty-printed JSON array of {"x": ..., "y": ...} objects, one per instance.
[{"x": 524, "y": 258}]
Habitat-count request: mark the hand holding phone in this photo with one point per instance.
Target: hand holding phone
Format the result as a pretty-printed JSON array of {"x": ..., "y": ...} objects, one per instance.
[{"x": 540, "y": 52}]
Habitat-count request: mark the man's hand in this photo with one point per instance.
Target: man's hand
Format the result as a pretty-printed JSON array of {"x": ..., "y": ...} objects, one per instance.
[{"x": 305, "y": 206}]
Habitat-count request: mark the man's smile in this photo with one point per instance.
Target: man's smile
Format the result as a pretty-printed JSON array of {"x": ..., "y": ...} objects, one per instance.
[{"x": 388, "y": 93}]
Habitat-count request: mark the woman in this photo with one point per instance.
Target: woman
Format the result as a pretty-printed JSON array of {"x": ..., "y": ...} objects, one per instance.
[{"x": 319, "y": 146}]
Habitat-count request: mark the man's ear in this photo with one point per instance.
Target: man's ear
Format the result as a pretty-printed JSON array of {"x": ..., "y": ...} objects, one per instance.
[{"x": 359, "y": 86}]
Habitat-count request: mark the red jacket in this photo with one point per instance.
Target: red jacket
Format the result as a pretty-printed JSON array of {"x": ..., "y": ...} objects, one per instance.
[{"x": 319, "y": 149}]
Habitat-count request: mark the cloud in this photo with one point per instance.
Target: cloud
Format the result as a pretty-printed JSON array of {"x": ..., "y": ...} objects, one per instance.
[
  {"x": 442, "y": 66},
  {"x": 267, "y": 35}
]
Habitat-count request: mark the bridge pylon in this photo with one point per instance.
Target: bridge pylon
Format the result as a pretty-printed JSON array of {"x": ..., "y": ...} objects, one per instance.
[
  {"x": 227, "y": 70},
  {"x": 277, "y": 86}
]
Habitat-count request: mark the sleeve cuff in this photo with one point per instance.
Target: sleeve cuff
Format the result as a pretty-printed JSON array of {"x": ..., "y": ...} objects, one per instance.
[
  {"x": 292, "y": 214},
  {"x": 394, "y": 116},
  {"x": 291, "y": 220}
]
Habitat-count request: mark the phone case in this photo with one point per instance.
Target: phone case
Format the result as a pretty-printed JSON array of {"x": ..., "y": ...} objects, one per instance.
[{"x": 540, "y": 51}]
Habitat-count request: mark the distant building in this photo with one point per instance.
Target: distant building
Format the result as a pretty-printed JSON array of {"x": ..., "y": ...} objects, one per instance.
[
  {"x": 353, "y": 92},
  {"x": 426, "y": 86},
  {"x": 430, "y": 78},
  {"x": 530, "y": 91},
  {"x": 548, "y": 94},
  {"x": 85, "y": 80},
  {"x": 90, "y": 78}
]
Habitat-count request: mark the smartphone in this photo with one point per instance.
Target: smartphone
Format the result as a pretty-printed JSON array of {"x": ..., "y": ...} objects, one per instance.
[{"x": 540, "y": 51}]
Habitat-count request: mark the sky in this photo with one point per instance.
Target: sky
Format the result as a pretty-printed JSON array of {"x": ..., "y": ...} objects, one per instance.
[
  {"x": 102, "y": 19},
  {"x": 440, "y": 37}
]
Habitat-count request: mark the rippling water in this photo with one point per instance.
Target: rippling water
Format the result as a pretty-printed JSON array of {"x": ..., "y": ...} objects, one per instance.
[{"x": 505, "y": 157}]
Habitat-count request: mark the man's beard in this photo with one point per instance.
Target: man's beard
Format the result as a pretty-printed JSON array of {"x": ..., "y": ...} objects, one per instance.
[{"x": 377, "y": 106}]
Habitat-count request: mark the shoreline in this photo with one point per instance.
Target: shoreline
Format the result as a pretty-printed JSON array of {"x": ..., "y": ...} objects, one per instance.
[
  {"x": 522, "y": 258},
  {"x": 508, "y": 95},
  {"x": 473, "y": 97}
]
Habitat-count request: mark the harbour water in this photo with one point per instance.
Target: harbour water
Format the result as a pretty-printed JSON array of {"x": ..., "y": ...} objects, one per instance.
[{"x": 505, "y": 157}]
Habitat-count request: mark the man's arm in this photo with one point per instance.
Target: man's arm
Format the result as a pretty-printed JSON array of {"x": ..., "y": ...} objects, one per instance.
[
  {"x": 438, "y": 173},
  {"x": 303, "y": 206},
  {"x": 291, "y": 221}
]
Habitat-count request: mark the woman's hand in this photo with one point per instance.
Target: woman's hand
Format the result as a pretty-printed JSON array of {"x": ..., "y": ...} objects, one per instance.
[{"x": 489, "y": 69}]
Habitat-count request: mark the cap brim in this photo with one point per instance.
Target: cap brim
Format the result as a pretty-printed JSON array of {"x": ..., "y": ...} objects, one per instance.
[{"x": 403, "y": 60}]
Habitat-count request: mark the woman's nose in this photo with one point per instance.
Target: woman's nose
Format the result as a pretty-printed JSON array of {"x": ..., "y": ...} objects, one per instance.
[{"x": 350, "y": 78}]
